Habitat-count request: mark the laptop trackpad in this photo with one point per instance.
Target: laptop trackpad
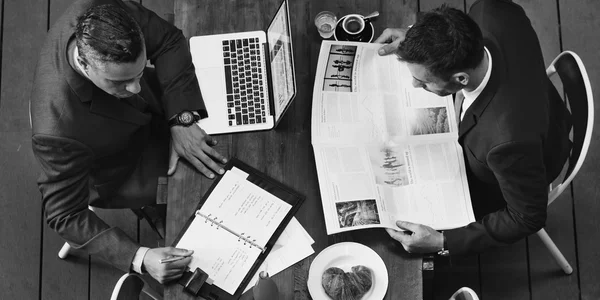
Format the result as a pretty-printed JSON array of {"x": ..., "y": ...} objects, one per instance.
[
  {"x": 211, "y": 86},
  {"x": 213, "y": 93}
]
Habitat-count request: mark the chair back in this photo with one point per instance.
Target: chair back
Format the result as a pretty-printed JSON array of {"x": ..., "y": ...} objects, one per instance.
[
  {"x": 130, "y": 286},
  {"x": 579, "y": 99},
  {"x": 464, "y": 293}
]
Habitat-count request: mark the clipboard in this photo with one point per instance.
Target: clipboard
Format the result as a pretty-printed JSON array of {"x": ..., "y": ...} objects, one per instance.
[{"x": 195, "y": 281}]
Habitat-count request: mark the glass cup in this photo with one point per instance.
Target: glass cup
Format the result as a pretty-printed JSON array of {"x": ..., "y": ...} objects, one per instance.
[{"x": 325, "y": 22}]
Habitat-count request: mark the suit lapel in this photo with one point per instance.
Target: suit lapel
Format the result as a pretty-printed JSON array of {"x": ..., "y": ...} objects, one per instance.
[
  {"x": 114, "y": 108},
  {"x": 474, "y": 112},
  {"x": 101, "y": 103}
]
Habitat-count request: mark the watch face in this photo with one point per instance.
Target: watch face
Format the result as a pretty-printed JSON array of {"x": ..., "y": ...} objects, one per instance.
[{"x": 186, "y": 118}]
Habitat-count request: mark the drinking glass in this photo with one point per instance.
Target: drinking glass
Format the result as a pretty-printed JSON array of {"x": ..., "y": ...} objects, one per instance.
[{"x": 325, "y": 22}]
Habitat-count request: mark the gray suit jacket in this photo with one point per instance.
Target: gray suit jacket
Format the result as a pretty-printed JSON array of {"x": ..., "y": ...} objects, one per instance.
[{"x": 88, "y": 143}]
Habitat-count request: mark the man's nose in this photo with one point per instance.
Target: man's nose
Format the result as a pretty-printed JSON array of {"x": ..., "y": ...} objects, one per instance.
[
  {"x": 416, "y": 83},
  {"x": 134, "y": 87}
]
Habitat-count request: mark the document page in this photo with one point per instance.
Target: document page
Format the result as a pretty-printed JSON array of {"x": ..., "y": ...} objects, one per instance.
[
  {"x": 231, "y": 229},
  {"x": 220, "y": 254},
  {"x": 384, "y": 150},
  {"x": 244, "y": 208}
]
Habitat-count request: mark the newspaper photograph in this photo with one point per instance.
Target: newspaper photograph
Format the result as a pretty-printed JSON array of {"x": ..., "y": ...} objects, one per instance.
[{"x": 384, "y": 150}]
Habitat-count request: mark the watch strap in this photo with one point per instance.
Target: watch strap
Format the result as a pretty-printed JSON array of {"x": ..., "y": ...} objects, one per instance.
[
  {"x": 174, "y": 121},
  {"x": 444, "y": 251}
]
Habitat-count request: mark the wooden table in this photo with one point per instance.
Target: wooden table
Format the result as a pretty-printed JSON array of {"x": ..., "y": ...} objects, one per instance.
[{"x": 286, "y": 153}]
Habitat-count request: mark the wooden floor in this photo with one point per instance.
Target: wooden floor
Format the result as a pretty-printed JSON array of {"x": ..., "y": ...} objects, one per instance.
[{"x": 30, "y": 269}]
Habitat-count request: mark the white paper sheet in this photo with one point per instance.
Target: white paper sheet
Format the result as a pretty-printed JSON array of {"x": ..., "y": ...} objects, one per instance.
[{"x": 384, "y": 150}]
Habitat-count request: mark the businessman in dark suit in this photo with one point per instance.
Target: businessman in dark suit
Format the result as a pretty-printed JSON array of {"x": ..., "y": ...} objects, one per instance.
[
  {"x": 102, "y": 124},
  {"x": 513, "y": 127}
]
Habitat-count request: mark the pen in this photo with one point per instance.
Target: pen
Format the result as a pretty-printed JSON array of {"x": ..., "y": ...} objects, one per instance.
[{"x": 172, "y": 259}]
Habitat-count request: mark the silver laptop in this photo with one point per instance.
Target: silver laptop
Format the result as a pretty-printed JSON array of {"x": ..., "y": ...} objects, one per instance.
[{"x": 247, "y": 79}]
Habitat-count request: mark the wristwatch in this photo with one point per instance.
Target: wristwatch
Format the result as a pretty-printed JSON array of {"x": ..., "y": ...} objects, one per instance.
[
  {"x": 444, "y": 251},
  {"x": 185, "y": 118}
]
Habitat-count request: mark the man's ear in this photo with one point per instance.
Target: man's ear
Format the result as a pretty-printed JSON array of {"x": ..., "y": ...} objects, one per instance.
[
  {"x": 83, "y": 63},
  {"x": 461, "y": 78}
]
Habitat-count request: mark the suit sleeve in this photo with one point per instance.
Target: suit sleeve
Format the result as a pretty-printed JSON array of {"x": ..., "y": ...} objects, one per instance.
[
  {"x": 521, "y": 174},
  {"x": 168, "y": 50},
  {"x": 64, "y": 184}
]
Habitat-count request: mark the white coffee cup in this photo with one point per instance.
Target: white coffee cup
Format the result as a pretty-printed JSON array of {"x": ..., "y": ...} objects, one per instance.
[{"x": 354, "y": 24}]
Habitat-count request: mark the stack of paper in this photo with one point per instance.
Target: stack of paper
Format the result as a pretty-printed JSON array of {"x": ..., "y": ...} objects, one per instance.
[{"x": 293, "y": 245}]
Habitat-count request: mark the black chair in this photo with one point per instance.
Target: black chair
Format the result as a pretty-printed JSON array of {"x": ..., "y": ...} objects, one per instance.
[
  {"x": 580, "y": 101},
  {"x": 130, "y": 286}
]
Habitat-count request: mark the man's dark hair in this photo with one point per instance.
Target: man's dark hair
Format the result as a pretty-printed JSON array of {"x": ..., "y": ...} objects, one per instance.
[
  {"x": 107, "y": 33},
  {"x": 444, "y": 40}
]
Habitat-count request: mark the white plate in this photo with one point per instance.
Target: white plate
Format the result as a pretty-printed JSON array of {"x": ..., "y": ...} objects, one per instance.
[{"x": 345, "y": 256}]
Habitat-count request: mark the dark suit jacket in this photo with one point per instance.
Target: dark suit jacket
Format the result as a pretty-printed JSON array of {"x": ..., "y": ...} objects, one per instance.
[
  {"x": 514, "y": 136},
  {"x": 89, "y": 143}
]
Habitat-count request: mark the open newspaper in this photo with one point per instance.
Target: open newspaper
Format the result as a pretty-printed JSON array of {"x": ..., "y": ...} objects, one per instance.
[{"x": 384, "y": 150}]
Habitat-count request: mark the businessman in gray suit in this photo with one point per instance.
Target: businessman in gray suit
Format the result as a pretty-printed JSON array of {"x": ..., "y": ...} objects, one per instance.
[{"x": 102, "y": 124}]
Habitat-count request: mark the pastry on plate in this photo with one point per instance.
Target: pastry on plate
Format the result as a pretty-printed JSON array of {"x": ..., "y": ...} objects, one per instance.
[{"x": 340, "y": 285}]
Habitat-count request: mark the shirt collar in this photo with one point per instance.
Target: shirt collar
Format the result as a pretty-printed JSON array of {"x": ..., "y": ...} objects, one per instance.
[
  {"x": 76, "y": 62},
  {"x": 471, "y": 96},
  {"x": 79, "y": 84}
]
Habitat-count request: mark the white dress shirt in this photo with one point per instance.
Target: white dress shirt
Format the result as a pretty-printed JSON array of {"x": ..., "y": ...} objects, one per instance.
[
  {"x": 471, "y": 96},
  {"x": 138, "y": 259}
]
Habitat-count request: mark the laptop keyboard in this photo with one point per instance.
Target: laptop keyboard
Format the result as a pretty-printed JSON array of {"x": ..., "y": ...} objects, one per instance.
[{"x": 246, "y": 96}]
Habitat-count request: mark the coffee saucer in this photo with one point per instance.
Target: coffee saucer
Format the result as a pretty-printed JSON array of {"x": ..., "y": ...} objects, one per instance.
[{"x": 366, "y": 36}]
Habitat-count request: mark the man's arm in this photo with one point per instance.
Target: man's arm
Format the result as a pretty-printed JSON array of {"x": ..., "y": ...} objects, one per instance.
[
  {"x": 167, "y": 49},
  {"x": 391, "y": 37},
  {"x": 64, "y": 184},
  {"x": 520, "y": 171}
]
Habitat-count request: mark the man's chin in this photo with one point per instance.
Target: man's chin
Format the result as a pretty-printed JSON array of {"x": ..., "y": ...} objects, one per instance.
[
  {"x": 121, "y": 96},
  {"x": 441, "y": 93}
]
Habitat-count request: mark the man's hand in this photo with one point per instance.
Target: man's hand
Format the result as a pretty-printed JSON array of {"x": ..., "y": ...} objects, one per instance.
[
  {"x": 168, "y": 271},
  {"x": 193, "y": 144},
  {"x": 420, "y": 239},
  {"x": 392, "y": 37}
]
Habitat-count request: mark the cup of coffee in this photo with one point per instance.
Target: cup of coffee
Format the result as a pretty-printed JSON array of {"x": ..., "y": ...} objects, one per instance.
[{"x": 354, "y": 24}]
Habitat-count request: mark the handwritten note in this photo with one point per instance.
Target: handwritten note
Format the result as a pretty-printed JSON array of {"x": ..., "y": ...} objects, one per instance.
[{"x": 228, "y": 232}]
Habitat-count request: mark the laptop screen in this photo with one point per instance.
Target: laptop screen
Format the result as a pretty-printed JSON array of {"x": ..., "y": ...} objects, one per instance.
[{"x": 279, "y": 38}]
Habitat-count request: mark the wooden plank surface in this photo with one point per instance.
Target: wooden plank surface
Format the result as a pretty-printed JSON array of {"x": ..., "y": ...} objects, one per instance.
[
  {"x": 286, "y": 153},
  {"x": 547, "y": 279},
  {"x": 504, "y": 273},
  {"x": 505, "y": 267},
  {"x": 425, "y": 5},
  {"x": 163, "y": 8},
  {"x": 544, "y": 19},
  {"x": 450, "y": 275},
  {"x": 180, "y": 204},
  {"x": 579, "y": 26},
  {"x": 146, "y": 236},
  {"x": 468, "y": 4},
  {"x": 23, "y": 30},
  {"x": 74, "y": 280},
  {"x": 103, "y": 276}
]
